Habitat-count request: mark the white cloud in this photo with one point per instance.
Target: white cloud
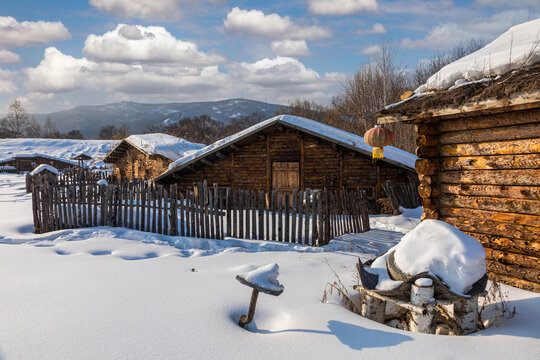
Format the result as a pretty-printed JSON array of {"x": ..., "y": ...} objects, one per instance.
[
  {"x": 290, "y": 47},
  {"x": 26, "y": 33},
  {"x": 7, "y": 56},
  {"x": 58, "y": 72},
  {"x": 514, "y": 4},
  {"x": 6, "y": 84},
  {"x": 273, "y": 26},
  {"x": 279, "y": 71},
  {"x": 371, "y": 50},
  {"x": 342, "y": 7},
  {"x": 445, "y": 36},
  {"x": 135, "y": 43},
  {"x": 377, "y": 28},
  {"x": 144, "y": 9}
]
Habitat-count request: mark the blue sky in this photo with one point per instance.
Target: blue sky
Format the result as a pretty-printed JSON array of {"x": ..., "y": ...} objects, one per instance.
[{"x": 59, "y": 54}]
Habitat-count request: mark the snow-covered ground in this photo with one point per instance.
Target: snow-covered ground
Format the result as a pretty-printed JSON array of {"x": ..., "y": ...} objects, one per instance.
[{"x": 107, "y": 293}]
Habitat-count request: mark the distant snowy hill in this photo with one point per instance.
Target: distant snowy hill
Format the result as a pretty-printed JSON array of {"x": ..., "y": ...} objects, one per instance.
[{"x": 89, "y": 119}]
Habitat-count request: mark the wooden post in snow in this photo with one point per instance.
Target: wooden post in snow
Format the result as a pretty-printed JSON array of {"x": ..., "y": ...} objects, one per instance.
[{"x": 421, "y": 292}]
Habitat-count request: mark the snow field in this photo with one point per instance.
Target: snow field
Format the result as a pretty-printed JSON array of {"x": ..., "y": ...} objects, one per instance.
[{"x": 107, "y": 293}]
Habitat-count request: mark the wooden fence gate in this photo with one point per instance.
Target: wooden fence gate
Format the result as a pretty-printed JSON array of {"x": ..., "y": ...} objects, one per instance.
[{"x": 311, "y": 217}]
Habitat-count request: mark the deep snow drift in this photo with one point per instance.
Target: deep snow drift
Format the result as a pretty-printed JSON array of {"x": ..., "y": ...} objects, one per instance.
[{"x": 113, "y": 293}]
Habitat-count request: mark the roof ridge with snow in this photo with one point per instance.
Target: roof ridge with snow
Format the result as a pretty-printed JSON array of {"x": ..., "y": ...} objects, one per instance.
[{"x": 352, "y": 141}]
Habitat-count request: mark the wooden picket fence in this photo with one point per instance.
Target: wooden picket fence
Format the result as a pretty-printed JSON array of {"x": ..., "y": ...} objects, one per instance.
[
  {"x": 66, "y": 177},
  {"x": 402, "y": 194},
  {"x": 307, "y": 217}
]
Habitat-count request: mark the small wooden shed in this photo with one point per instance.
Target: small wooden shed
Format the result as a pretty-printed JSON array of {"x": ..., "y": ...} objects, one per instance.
[
  {"x": 479, "y": 166},
  {"x": 287, "y": 153},
  {"x": 148, "y": 155},
  {"x": 26, "y": 162}
]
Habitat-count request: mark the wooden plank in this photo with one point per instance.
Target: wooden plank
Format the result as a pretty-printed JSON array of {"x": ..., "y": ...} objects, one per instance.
[
  {"x": 509, "y": 258},
  {"x": 182, "y": 206},
  {"x": 206, "y": 203},
  {"x": 492, "y": 177},
  {"x": 228, "y": 206},
  {"x": 234, "y": 214},
  {"x": 63, "y": 204},
  {"x": 253, "y": 214},
  {"x": 260, "y": 213},
  {"x": 320, "y": 229},
  {"x": 247, "y": 206},
  {"x": 273, "y": 208},
  {"x": 287, "y": 218},
  {"x": 492, "y": 162},
  {"x": 516, "y": 271},
  {"x": 314, "y": 233},
  {"x": 212, "y": 213},
  {"x": 84, "y": 205},
  {"x": 166, "y": 210},
  {"x": 510, "y": 147},
  {"x": 131, "y": 200},
  {"x": 219, "y": 220},
  {"x": 294, "y": 213},
  {"x": 241, "y": 206},
  {"x": 154, "y": 208},
  {"x": 488, "y": 121},
  {"x": 174, "y": 210},
  {"x": 267, "y": 215},
  {"x": 515, "y": 192},
  {"x": 192, "y": 215},
  {"x": 501, "y": 243},
  {"x": 144, "y": 192},
  {"x": 280, "y": 219},
  {"x": 520, "y": 206},
  {"x": 307, "y": 206},
  {"x": 494, "y": 228},
  {"x": 137, "y": 190},
  {"x": 513, "y": 132},
  {"x": 473, "y": 213},
  {"x": 300, "y": 216},
  {"x": 159, "y": 209}
]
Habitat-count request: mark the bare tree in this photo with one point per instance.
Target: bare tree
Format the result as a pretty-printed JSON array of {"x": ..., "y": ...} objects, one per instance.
[
  {"x": 33, "y": 128},
  {"x": 122, "y": 132},
  {"x": 107, "y": 132},
  {"x": 17, "y": 118},
  {"x": 49, "y": 130},
  {"x": 461, "y": 48}
]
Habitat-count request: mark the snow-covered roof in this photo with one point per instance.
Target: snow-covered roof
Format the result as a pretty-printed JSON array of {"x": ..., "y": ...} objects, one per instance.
[
  {"x": 58, "y": 149},
  {"x": 517, "y": 47},
  {"x": 165, "y": 145},
  {"x": 33, "y": 155},
  {"x": 354, "y": 142},
  {"x": 44, "y": 167}
]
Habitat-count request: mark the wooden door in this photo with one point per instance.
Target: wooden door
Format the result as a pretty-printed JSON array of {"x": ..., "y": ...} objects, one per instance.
[{"x": 285, "y": 177}]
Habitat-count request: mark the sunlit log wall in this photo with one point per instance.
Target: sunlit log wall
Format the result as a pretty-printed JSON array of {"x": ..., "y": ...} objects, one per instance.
[{"x": 482, "y": 175}]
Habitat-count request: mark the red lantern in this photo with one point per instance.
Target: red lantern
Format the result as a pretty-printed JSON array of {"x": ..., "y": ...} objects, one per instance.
[{"x": 378, "y": 137}]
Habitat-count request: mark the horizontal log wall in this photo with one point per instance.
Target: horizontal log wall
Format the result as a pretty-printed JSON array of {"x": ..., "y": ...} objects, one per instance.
[{"x": 482, "y": 175}]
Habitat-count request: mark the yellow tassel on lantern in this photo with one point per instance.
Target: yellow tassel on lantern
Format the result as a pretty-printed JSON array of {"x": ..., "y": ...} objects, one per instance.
[{"x": 378, "y": 153}]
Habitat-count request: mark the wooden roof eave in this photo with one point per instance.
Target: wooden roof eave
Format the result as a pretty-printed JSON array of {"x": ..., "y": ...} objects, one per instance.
[{"x": 520, "y": 101}]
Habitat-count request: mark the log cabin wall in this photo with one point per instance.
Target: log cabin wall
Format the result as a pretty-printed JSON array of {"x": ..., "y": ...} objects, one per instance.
[
  {"x": 29, "y": 164},
  {"x": 137, "y": 164},
  {"x": 482, "y": 175},
  {"x": 320, "y": 164}
]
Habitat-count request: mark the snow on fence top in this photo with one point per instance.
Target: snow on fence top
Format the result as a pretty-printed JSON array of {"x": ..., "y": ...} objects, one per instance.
[
  {"x": 165, "y": 145},
  {"x": 517, "y": 47},
  {"x": 315, "y": 128},
  {"x": 44, "y": 167}
]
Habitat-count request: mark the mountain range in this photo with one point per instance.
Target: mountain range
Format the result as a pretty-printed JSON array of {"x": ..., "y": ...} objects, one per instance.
[{"x": 89, "y": 119}]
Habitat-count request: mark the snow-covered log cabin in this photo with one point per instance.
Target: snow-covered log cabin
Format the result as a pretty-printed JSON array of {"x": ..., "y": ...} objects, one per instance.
[
  {"x": 287, "y": 153},
  {"x": 479, "y": 144},
  {"x": 148, "y": 155},
  {"x": 26, "y": 162}
]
